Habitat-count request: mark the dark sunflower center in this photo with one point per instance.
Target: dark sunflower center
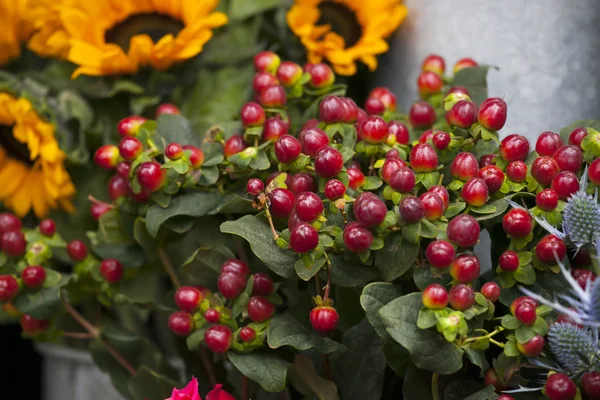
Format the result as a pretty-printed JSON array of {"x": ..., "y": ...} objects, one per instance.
[
  {"x": 13, "y": 147},
  {"x": 342, "y": 20},
  {"x": 154, "y": 25}
]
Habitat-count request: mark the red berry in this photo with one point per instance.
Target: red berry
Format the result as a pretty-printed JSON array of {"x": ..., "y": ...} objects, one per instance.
[
  {"x": 236, "y": 266},
  {"x": 491, "y": 291},
  {"x": 212, "y": 316},
  {"x": 440, "y": 253},
  {"x": 548, "y": 246},
  {"x": 464, "y": 63},
  {"x": 173, "y": 151},
  {"x": 411, "y": 209},
  {"x": 33, "y": 277},
  {"x": 492, "y": 113},
  {"x": 324, "y": 319},
  {"x": 187, "y": 298},
  {"x": 521, "y": 300},
  {"x": 272, "y": 97},
  {"x": 433, "y": 206},
  {"x": 32, "y": 326},
  {"x": 13, "y": 243},
  {"x": 532, "y": 348},
  {"x": 331, "y": 110},
  {"x": 374, "y": 130},
  {"x": 99, "y": 209},
  {"x": 357, "y": 238},
  {"x": 463, "y": 114},
  {"x": 492, "y": 378},
  {"x": 313, "y": 140},
  {"x": 544, "y": 169},
  {"x": 130, "y": 148},
  {"x": 111, "y": 270},
  {"x": 282, "y": 202},
  {"x": 328, "y": 162},
  {"x": 475, "y": 192},
  {"x": 443, "y": 193},
  {"x": 386, "y": 96},
  {"x": 390, "y": 167},
  {"x": 117, "y": 187},
  {"x": 526, "y": 314},
  {"x": 47, "y": 227},
  {"x": 465, "y": 268},
  {"x": 461, "y": 297},
  {"x": 356, "y": 178},
  {"x": 369, "y": 210},
  {"x": 547, "y": 143},
  {"x": 262, "y": 80},
  {"x": 9, "y": 222},
  {"x": 547, "y": 200},
  {"x": 260, "y": 309},
  {"x": 509, "y": 261},
  {"x": 107, "y": 156},
  {"x": 196, "y": 156},
  {"x": 304, "y": 238},
  {"x": 463, "y": 230},
  {"x": 403, "y": 180},
  {"x": 441, "y": 140},
  {"x": 141, "y": 197},
  {"x": 464, "y": 166},
  {"x": 321, "y": 75},
  {"x": 131, "y": 125},
  {"x": 123, "y": 169},
  {"x": 9, "y": 287},
  {"x": 266, "y": 61},
  {"x": 435, "y": 297},
  {"x": 569, "y": 158},
  {"x": 565, "y": 184},
  {"x": 560, "y": 387},
  {"x": 274, "y": 129},
  {"x": 374, "y": 106},
  {"x": 434, "y": 63},
  {"x": 493, "y": 177},
  {"x": 517, "y": 171},
  {"x": 234, "y": 145},
  {"x": 400, "y": 130},
  {"x": 350, "y": 110},
  {"x": 594, "y": 171},
  {"x": 591, "y": 385},
  {"x": 423, "y": 158},
  {"x": 514, "y": 147},
  {"x": 287, "y": 149},
  {"x": 247, "y": 334},
  {"x": 218, "y": 338},
  {"x": 150, "y": 176},
  {"x": 231, "y": 284},
  {"x": 252, "y": 114},
  {"x": 429, "y": 83},
  {"x": 254, "y": 186},
  {"x": 421, "y": 114},
  {"x": 577, "y": 136},
  {"x": 262, "y": 284},
  {"x": 334, "y": 189},
  {"x": 167, "y": 108},
  {"x": 517, "y": 223},
  {"x": 582, "y": 276},
  {"x": 487, "y": 159},
  {"x": 289, "y": 73},
  {"x": 77, "y": 250}
]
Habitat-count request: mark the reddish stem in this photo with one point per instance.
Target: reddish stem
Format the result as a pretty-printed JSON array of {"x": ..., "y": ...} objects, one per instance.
[
  {"x": 245, "y": 388},
  {"x": 208, "y": 368}
]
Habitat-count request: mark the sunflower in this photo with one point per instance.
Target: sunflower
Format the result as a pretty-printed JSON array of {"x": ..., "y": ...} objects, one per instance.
[
  {"x": 15, "y": 29},
  {"x": 32, "y": 171},
  {"x": 345, "y": 31},
  {"x": 119, "y": 36}
]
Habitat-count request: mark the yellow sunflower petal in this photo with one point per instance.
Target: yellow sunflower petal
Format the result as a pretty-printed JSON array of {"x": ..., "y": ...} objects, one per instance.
[{"x": 12, "y": 176}]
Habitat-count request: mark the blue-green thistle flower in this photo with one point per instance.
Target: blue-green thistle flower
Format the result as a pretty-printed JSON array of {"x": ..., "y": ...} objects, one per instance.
[{"x": 575, "y": 348}]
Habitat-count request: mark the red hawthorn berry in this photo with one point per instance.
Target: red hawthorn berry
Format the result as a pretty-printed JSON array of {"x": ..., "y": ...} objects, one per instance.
[
  {"x": 328, "y": 162},
  {"x": 560, "y": 387},
  {"x": 463, "y": 114},
  {"x": 13, "y": 243},
  {"x": 107, "y": 156},
  {"x": 463, "y": 230},
  {"x": 517, "y": 223},
  {"x": 9, "y": 287},
  {"x": 547, "y": 143},
  {"x": 130, "y": 148},
  {"x": 464, "y": 166},
  {"x": 440, "y": 253},
  {"x": 123, "y": 169},
  {"x": 236, "y": 266},
  {"x": 411, "y": 209},
  {"x": 321, "y": 76},
  {"x": 188, "y": 298},
  {"x": 262, "y": 284},
  {"x": 331, "y": 110},
  {"x": 231, "y": 284},
  {"x": 324, "y": 319},
  {"x": 47, "y": 227},
  {"x": 266, "y": 61},
  {"x": 421, "y": 114},
  {"x": 302, "y": 182},
  {"x": 433, "y": 206},
  {"x": 423, "y": 158},
  {"x": 577, "y": 136},
  {"x": 356, "y": 178},
  {"x": 461, "y": 297},
  {"x": 33, "y": 277},
  {"x": 117, "y": 187},
  {"x": 514, "y": 147},
  {"x": 464, "y": 63},
  {"x": 252, "y": 114},
  {"x": 304, "y": 238},
  {"x": 287, "y": 149},
  {"x": 369, "y": 210},
  {"x": 517, "y": 171},
  {"x": 465, "y": 268},
  {"x": 273, "y": 129},
  {"x": 99, "y": 209},
  {"x": 374, "y": 106},
  {"x": 77, "y": 250},
  {"x": 390, "y": 166},
  {"x": 565, "y": 184},
  {"x": 509, "y": 261},
  {"x": 374, "y": 130},
  {"x": 426, "y": 136},
  {"x": 492, "y": 113},
  {"x": 234, "y": 145},
  {"x": 141, "y": 197},
  {"x": 401, "y": 132},
  {"x": 9, "y": 222},
  {"x": 526, "y": 314},
  {"x": 247, "y": 334},
  {"x": 392, "y": 153},
  {"x": 549, "y": 245},
  {"x": 475, "y": 192},
  {"x": 130, "y": 126},
  {"x": 111, "y": 270},
  {"x": 582, "y": 276},
  {"x": 441, "y": 140},
  {"x": 282, "y": 202},
  {"x": 272, "y": 97},
  {"x": 505, "y": 397},
  {"x": 569, "y": 158},
  {"x": 435, "y": 297},
  {"x": 434, "y": 63},
  {"x": 493, "y": 177},
  {"x": 441, "y": 191},
  {"x": 212, "y": 316},
  {"x": 262, "y": 80},
  {"x": 491, "y": 291},
  {"x": 429, "y": 83},
  {"x": 594, "y": 171},
  {"x": 32, "y": 326},
  {"x": 386, "y": 96},
  {"x": 260, "y": 309},
  {"x": 255, "y": 186},
  {"x": 544, "y": 169},
  {"x": 313, "y": 140},
  {"x": 218, "y": 338},
  {"x": 582, "y": 257},
  {"x": 547, "y": 200},
  {"x": 289, "y": 73},
  {"x": 357, "y": 238},
  {"x": 492, "y": 378},
  {"x": 334, "y": 189},
  {"x": 151, "y": 176},
  {"x": 590, "y": 383},
  {"x": 521, "y": 300},
  {"x": 350, "y": 110},
  {"x": 173, "y": 151},
  {"x": 403, "y": 180},
  {"x": 487, "y": 159}
]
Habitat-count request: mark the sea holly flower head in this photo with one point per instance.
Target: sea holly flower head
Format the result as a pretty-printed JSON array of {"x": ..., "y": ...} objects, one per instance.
[{"x": 574, "y": 347}]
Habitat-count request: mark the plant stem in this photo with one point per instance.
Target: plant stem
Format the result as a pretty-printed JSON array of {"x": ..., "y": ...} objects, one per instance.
[
  {"x": 488, "y": 336},
  {"x": 245, "y": 388},
  {"x": 327, "y": 366},
  {"x": 371, "y": 168},
  {"x": 208, "y": 367},
  {"x": 496, "y": 343},
  {"x": 328, "y": 286},
  {"x": 78, "y": 335},
  {"x": 169, "y": 267},
  {"x": 434, "y": 386},
  {"x": 318, "y": 284},
  {"x": 268, "y": 214}
]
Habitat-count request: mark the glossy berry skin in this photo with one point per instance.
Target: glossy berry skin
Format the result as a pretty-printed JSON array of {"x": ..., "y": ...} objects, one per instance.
[
  {"x": 181, "y": 323},
  {"x": 390, "y": 167},
  {"x": 441, "y": 140},
  {"x": 491, "y": 291},
  {"x": 328, "y": 162},
  {"x": 441, "y": 191},
  {"x": 526, "y": 314},
  {"x": 461, "y": 297},
  {"x": 350, "y": 110},
  {"x": 594, "y": 171},
  {"x": 463, "y": 230},
  {"x": 47, "y": 227},
  {"x": 130, "y": 148},
  {"x": 13, "y": 244},
  {"x": 464, "y": 166},
  {"x": 403, "y": 180},
  {"x": 334, "y": 189},
  {"x": 150, "y": 176},
  {"x": 487, "y": 159},
  {"x": 99, "y": 209},
  {"x": 111, "y": 270},
  {"x": 463, "y": 114},
  {"x": 324, "y": 319},
  {"x": 590, "y": 383},
  {"x": 218, "y": 338},
  {"x": 569, "y": 158},
  {"x": 421, "y": 115},
  {"x": 356, "y": 178},
  {"x": 549, "y": 245},
  {"x": 521, "y": 300},
  {"x": 386, "y": 96},
  {"x": 493, "y": 177},
  {"x": 411, "y": 209},
  {"x": 9, "y": 222},
  {"x": 331, "y": 110},
  {"x": 254, "y": 186},
  {"x": 187, "y": 298},
  {"x": 231, "y": 284},
  {"x": 577, "y": 136},
  {"x": 492, "y": 378},
  {"x": 509, "y": 261},
  {"x": 517, "y": 171},
  {"x": 304, "y": 238},
  {"x": 321, "y": 75},
  {"x": 532, "y": 348},
  {"x": 582, "y": 276},
  {"x": 433, "y": 206},
  {"x": 313, "y": 140},
  {"x": 492, "y": 113},
  {"x": 423, "y": 158},
  {"x": 247, "y": 334},
  {"x": 429, "y": 83},
  {"x": 262, "y": 284},
  {"x": 107, "y": 156},
  {"x": 287, "y": 149},
  {"x": 262, "y": 80},
  {"x": 374, "y": 106},
  {"x": 514, "y": 147},
  {"x": 123, "y": 169},
  {"x": 302, "y": 182},
  {"x": 544, "y": 169},
  {"x": 212, "y": 316},
  {"x": 465, "y": 268},
  {"x": 357, "y": 238},
  {"x": 266, "y": 61},
  {"x": 435, "y": 297},
  {"x": 440, "y": 253},
  {"x": 560, "y": 387},
  {"x": 130, "y": 126},
  {"x": 234, "y": 145},
  {"x": 282, "y": 202},
  {"x": 369, "y": 210},
  {"x": 565, "y": 184},
  {"x": 32, "y": 326},
  {"x": 260, "y": 309},
  {"x": 252, "y": 114},
  {"x": 236, "y": 266},
  {"x": 475, "y": 192},
  {"x": 401, "y": 132},
  {"x": 273, "y": 129},
  {"x": 33, "y": 277},
  {"x": 289, "y": 73},
  {"x": 373, "y": 130},
  {"x": 547, "y": 200},
  {"x": 464, "y": 63},
  {"x": 517, "y": 223},
  {"x": 173, "y": 151},
  {"x": 77, "y": 250},
  {"x": 547, "y": 143},
  {"x": 434, "y": 63},
  {"x": 9, "y": 287},
  {"x": 118, "y": 187}
]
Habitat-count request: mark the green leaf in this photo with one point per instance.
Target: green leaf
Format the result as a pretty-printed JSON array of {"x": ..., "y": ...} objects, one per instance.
[
  {"x": 130, "y": 255},
  {"x": 304, "y": 378},
  {"x": 242, "y": 9},
  {"x": 373, "y": 297},
  {"x": 397, "y": 257},
  {"x": 430, "y": 179},
  {"x": 501, "y": 206},
  {"x": 148, "y": 384},
  {"x": 477, "y": 357},
  {"x": 193, "y": 341},
  {"x": 454, "y": 208},
  {"x": 43, "y": 304},
  {"x": 511, "y": 350},
  {"x": 428, "y": 229},
  {"x": 525, "y": 274},
  {"x": 425, "y": 276},
  {"x": 489, "y": 393},
  {"x": 475, "y": 80},
  {"x": 426, "y": 318},
  {"x": 397, "y": 357},
  {"x": 306, "y": 273},
  {"x": 268, "y": 369},
  {"x": 285, "y": 330},
  {"x": 143, "y": 291},
  {"x": 240, "y": 302},
  {"x": 372, "y": 183},
  {"x": 205, "y": 262},
  {"x": 540, "y": 326},
  {"x": 485, "y": 209},
  {"x": 349, "y": 273},
  {"x": 427, "y": 349},
  {"x": 175, "y": 128},
  {"x": 510, "y": 322},
  {"x": 524, "y": 334}
]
